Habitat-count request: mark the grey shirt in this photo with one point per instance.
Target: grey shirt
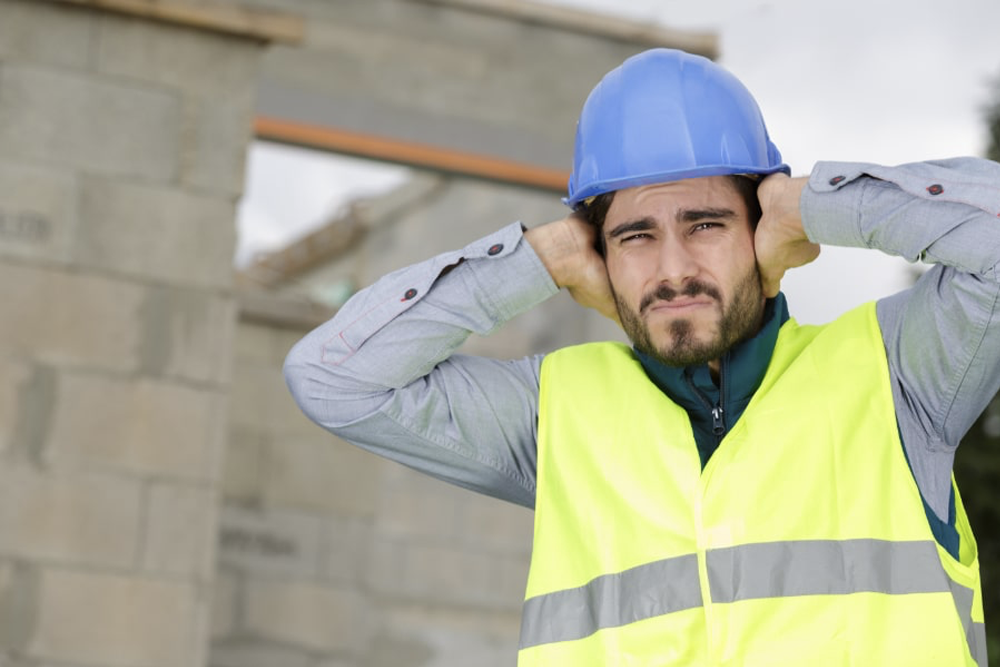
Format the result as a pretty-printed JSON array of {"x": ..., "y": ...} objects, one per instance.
[{"x": 383, "y": 373}]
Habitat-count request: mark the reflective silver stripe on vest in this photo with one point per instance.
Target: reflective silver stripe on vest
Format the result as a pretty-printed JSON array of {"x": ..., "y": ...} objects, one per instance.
[
  {"x": 824, "y": 567},
  {"x": 977, "y": 644},
  {"x": 612, "y": 600},
  {"x": 975, "y": 633},
  {"x": 829, "y": 567},
  {"x": 746, "y": 572}
]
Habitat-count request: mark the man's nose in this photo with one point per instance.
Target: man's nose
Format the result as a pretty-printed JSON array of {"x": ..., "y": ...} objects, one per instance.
[{"x": 676, "y": 264}]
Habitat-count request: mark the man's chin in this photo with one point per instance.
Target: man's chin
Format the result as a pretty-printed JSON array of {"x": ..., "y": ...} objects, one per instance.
[{"x": 684, "y": 351}]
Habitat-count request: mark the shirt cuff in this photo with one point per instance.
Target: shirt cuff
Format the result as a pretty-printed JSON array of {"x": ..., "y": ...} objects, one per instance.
[
  {"x": 507, "y": 273},
  {"x": 831, "y": 204}
]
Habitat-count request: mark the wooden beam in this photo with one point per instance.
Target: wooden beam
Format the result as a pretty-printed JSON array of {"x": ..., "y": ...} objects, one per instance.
[
  {"x": 412, "y": 153},
  {"x": 291, "y": 312},
  {"x": 272, "y": 269},
  {"x": 228, "y": 17}
]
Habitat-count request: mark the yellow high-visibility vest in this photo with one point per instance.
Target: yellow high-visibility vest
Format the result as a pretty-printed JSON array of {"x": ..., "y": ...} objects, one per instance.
[{"x": 804, "y": 541}]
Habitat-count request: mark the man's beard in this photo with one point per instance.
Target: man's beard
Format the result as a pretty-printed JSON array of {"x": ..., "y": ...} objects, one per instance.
[{"x": 738, "y": 320}]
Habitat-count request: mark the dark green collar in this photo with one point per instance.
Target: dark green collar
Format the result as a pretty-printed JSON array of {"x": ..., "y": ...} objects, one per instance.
[{"x": 741, "y": 371}]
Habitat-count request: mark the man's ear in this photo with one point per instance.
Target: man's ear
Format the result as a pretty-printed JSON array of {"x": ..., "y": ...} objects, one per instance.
[{"x": 599, "y": 244}]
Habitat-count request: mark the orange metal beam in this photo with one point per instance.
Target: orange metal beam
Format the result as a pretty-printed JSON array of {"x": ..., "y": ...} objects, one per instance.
[{"x": 421, "y": 155}]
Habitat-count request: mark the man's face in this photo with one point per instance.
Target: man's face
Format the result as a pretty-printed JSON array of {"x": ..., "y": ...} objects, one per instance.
[{"x": 681, "y": 261}]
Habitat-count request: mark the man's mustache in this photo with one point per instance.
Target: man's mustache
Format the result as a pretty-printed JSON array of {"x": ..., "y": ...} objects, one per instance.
[{"x": 667, "y": 293}]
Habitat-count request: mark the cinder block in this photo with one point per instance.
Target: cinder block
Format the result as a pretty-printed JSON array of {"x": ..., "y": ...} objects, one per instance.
[
  {"x": 180, "y": 531},
  {"x": 509, "y": 585},
  {"x": 22, "y": 415},
  {"x": 322, "y": 475},
  {"x": 242, "y": 474},
  {"x": 74, "y": 119},
  {"x": 78, "y": 518},
  {"x": 262, "y": 402},
  {"x": 19, "y": 592},
  {"x": 141, "y": 427},
  {"x": 45, "y": 33},
  {"x": 118, "y": 621},
  {"x": 486, "y": 524},
  {"x": 383, "y": 573},
  {"x": 225, "y": 598},
  {"x": 248, "y": 652},
  {"x": 215, "y": 136},
  {"x": 419, "y": 634},
  {"x": 253, "y": 344},
  {"x": 352, "y": 55},
  {"x": 37, "y": 212},
  {"x": 347, "y": 549},
  {"x": 270, "y": 542},
  {"x": 158, "y": 233},
  {"x": 265, "y": 345},
  {"x": 283, "y": 341},
  {"x": 187, "y": 334},
  {"x": 191, "y": 60},
  {"x": 417, "y": 507},
  {"x": 202, "y": 626},
  {"x": 255, "y": 389},
  {"x": 341, "y": 662},
  {"x": 215, "y": 129},
  {"x": 308, "y": 616},
  {"x": 94, "y": 325},
  {"x": 447, "y": 575}
]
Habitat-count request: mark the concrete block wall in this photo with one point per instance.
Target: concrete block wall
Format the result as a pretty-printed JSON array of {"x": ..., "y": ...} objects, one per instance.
[
  {"x": 296, "y": 525},
  {"x": 122, "y": 144},
  {"x": 331, "y": 556}
]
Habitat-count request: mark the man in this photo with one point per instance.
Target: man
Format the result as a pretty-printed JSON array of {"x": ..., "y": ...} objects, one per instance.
[{"x": 735, "y": 489}]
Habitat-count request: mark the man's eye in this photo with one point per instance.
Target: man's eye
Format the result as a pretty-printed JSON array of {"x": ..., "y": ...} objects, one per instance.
[
  {"x": 634, "y": 237},
  {"x": 705, "y": 225}
]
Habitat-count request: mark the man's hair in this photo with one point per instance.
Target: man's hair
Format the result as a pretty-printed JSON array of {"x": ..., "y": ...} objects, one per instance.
[{"x": 746, "y": 186}]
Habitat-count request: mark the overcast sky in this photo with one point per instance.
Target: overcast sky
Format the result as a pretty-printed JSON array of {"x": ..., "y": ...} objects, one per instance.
[{"x": 866, "y": 80}]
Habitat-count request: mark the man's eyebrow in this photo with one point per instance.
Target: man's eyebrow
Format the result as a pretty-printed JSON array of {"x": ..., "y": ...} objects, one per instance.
[
  {"x": 640, "y": 225},
  {"x": 697, "y": 215}
]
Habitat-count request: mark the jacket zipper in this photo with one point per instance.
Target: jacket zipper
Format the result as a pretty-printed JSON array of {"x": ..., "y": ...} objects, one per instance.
[{"x": 717, "y": 411}]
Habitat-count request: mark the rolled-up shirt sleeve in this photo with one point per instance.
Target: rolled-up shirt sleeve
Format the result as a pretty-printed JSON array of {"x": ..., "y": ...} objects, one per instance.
[
  {"x": 941, "y": 336},
  {"x": 383, "y": 373}
]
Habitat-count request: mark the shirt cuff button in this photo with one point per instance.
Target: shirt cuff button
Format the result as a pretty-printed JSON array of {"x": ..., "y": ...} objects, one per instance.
[
  {"x": 410, "y": 293},
  {"x": 837, "y": 180},
  {"x": 495, "y": 249},
  {"x": 935, "y": 189}
]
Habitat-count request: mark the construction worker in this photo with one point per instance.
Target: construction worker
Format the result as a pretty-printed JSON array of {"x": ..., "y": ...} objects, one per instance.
[{"x": 733, "y": 489}]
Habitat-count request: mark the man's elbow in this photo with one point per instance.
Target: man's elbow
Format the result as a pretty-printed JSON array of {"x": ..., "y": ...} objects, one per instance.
[
  {"x": 298, "y": 378},
  {"x": 323, "y": 394}
]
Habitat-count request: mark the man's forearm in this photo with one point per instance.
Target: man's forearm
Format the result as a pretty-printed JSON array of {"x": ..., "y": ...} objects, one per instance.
[
  {"x": 943, "y": 212},
  {"x": 380, "y": 374}
]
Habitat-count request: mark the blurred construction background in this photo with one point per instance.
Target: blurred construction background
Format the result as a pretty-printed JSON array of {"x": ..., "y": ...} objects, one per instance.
[{"x": 162, "y": 501}]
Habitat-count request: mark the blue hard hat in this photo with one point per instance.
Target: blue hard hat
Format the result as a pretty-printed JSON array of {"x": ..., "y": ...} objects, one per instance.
[{"x": 665, "y": 115}]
